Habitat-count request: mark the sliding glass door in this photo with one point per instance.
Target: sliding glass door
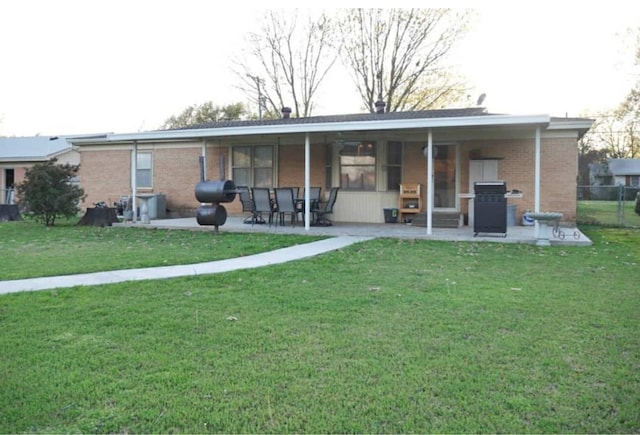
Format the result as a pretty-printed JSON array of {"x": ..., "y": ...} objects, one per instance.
[{"x": 444, "y": 176}]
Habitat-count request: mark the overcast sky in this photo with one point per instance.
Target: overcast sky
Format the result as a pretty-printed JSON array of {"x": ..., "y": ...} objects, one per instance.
[{"x": 78, "y": 66}]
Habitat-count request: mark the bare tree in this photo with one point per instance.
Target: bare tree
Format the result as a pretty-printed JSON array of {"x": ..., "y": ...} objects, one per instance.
[
  {"x": 613, "y": 136},
  {"x": 627, "y": 115},
  {"x": 589, "y": 152},
  {"x": 287, "y": 62},
  {"x": 397, "y": 55},
  {"x": 616, "y": 133}
]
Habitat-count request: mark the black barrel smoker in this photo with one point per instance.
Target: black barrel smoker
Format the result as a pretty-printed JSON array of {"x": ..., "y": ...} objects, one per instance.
[
  {"x": 214, "y": 192},
  {"x": 490, "y": 207}
]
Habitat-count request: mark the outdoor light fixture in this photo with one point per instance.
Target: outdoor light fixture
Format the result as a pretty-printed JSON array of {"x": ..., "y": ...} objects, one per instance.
[{"x": 425, "y": 151}]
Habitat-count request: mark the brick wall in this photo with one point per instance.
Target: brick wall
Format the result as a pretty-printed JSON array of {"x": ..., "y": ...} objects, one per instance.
[
  {"x": 516, "y": 166},
  {"x": 559, "y": 177},
  {"x": 176, "y": 171},
  {"x": 105, "y": 175},
  {"x": 19, "y": 174},
  {"x": 291, "y": 166}
]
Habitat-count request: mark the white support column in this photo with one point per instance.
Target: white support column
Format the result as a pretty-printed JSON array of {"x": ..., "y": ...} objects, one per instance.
[
  {"x": 134, "y": 186},
  {"x": 537, "y": 173},
  {"x": 429, "y": 183},
  {"x": 307, "y": 182},
  {"x": 536, "y": 204}
]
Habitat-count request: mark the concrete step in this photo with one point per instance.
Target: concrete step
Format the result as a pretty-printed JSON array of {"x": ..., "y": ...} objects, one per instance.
[{"x": 440, "y": 220}]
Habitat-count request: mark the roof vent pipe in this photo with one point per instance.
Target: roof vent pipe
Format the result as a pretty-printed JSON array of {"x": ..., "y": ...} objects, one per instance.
[
  {"x": 380, "y": 106},
  {"x": 286, "y": 112}
]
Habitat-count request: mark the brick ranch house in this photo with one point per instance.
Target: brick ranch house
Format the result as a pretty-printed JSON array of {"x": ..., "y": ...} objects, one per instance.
[{"x": 367, "y": 155}]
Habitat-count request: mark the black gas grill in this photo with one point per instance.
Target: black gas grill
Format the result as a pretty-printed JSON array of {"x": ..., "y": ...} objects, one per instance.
[{"x": 490, "y": 207}]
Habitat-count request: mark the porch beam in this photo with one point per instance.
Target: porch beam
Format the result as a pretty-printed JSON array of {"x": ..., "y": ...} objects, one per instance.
[
  {"x": 429, "y": 183},
  {"x": 307, "y": 182}
]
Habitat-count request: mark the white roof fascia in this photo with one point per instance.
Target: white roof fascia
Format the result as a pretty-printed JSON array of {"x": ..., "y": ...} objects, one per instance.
[
  {"x": 571, "y": 124},
  {"x": 24, "y": 159},
  {"x": 37, "y": 158},
  {"x": 325, "y": 127}
]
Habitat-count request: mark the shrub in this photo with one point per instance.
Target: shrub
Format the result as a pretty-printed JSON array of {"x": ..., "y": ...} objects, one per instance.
[{"x": 48, "y": 191}]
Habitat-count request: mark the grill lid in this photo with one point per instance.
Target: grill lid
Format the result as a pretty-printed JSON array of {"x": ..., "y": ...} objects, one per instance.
[{"x": 481, "y": 187}]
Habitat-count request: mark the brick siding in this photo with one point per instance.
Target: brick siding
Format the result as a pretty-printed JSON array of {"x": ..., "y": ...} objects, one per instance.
[{"x": 104, "y": 175}]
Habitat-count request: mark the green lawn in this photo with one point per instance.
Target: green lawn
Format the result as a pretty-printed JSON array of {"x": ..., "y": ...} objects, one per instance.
[
  {"x": 32, "y": 250},
  {"x": 387, "y": 336},
  {"x": 606, "y": 213}
]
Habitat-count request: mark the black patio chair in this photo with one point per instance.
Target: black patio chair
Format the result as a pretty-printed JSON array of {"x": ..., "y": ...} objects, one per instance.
[
  {"x": 296, "y": 191},
  {"x": 262, "y": 204},
  {"x": 314, "y": 196},
  {"x": 285, "y": 204},
  {"x": 314, "y": 200},
  {"x": 248, "y": 205},
  {"x": 321, "y": 211}
]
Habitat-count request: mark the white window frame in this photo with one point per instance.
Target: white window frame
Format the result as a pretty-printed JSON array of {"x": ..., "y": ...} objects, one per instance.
[
  {"x": 252, "y": 163},
  {"x": 140, "y": 168}
]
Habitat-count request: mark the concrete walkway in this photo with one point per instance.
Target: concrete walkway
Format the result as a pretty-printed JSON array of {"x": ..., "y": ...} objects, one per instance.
[{"x": 249, "y": 262}]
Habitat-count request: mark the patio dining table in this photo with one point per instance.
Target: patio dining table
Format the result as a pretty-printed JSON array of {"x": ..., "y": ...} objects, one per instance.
[{"x": 300, "y": 202}]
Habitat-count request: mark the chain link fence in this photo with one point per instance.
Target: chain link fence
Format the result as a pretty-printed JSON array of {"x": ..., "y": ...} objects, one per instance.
[{"x": 609, "y": 205}]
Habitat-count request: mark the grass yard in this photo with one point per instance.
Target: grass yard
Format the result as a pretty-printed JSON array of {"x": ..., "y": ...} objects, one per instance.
[
  {"x": 32, "y": 250},
  {"x": 387, "y": 336},
  {"x": 606, "y": 213}
]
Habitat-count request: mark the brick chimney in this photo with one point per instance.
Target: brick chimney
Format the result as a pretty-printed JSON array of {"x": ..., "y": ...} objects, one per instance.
[
  {"x": 286, "y": 112},
  {"x": 380, "y": 105}
]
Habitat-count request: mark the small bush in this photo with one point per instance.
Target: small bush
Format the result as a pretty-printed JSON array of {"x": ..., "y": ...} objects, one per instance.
[{"x": 48, "y": 192}]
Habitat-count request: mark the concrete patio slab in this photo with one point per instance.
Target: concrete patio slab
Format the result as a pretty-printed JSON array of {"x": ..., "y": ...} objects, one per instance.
[{"x": 515, "y": 234}]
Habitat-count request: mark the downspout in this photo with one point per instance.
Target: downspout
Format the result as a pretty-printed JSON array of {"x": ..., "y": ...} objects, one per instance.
[
  {"x": 134, "y": 186},
  {"x": 307, "y": 182},
  {"x": 429, "y": 183}
]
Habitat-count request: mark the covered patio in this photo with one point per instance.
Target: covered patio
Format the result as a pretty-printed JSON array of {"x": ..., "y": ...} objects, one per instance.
[
  {"x": 372, "y": 158},
  {"x": 515, "y": 234}
]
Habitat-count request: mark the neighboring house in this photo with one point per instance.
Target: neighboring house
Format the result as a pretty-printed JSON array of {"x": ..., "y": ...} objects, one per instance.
[
  {"x": 17, "y": 154},
  {"x": 625, "y": 172},
  {"x": 600, "y": 175},
  {"x": 367, "y": 155}
]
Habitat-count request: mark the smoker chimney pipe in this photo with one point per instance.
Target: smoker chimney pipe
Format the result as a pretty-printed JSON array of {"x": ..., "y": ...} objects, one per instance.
[{"x": 201, "y": 163}]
